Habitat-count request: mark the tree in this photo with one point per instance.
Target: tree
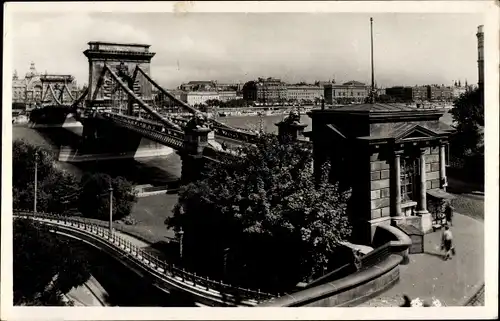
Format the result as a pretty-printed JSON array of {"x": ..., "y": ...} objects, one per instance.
[
  {"x": 265, "y": 207},
  {"x": 213, "y": 102},
  {"x": 468, "y": 113},
  {"x": 45, "y": 266},
  {"x": 94, "y": 196},
  {"x": 56, "y": 188},
  {"x": 468, "y": 141}
]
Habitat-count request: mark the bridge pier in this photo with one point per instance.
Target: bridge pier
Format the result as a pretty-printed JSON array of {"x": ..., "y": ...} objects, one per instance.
[
  {"x": 193, "y": 163},
  {"x": 102, "y": 140}
]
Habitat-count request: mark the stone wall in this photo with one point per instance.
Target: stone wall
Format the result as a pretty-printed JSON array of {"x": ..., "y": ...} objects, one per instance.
[
  {"x": 432, "y": 167},
  {"x": 96, "y": 67},
  {"x": 380, "y": 183}
]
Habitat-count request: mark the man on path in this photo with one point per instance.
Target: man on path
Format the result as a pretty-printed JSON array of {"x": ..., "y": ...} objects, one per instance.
[{"x": 447, "y": 243}]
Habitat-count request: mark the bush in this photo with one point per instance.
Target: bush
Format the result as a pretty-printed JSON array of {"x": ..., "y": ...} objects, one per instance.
[
  {"x": 94, "y": 196},
  {"x": 57, "y": 189},
  {"x": 279, "y": 226},
  {"x": 45, "y": 267}
]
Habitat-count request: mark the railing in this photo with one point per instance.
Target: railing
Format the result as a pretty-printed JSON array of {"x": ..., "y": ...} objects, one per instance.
[
  {"x": 235, "y": 134},
  {"x": 477, "y": 299},
  {"x": 150, "y": 129},
  {"x": 378, "y": 271},
  {"x": 156, "y": 266}
]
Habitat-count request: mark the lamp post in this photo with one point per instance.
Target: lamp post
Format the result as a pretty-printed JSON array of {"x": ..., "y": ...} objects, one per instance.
[
  {"x": 36, "y": 182},
  {"x": 110, "y": 209},
  {"x": 180, "y": 237},
  {"x": 226, "y": 251}
]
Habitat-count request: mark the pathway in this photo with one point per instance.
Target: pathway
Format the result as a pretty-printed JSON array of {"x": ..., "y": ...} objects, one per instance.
[
  {"x": 91, "y": 293},
  {"x": 427, "y": 275}
]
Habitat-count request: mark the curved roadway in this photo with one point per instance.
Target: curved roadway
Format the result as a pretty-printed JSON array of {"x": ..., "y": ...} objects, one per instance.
[{"x": 164, "y": 276}]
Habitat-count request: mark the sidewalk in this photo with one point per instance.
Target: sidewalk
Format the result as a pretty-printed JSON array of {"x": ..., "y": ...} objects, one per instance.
[{"x": 427, "y": 275}]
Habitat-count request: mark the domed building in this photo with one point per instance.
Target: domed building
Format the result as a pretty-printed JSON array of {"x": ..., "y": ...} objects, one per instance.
[{"x": 29, "y": 90}]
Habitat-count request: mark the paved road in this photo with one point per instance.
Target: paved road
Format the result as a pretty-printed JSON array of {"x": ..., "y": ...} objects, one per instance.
[
  {"x": 91, "y": 293},
  {"x": 427, "y": 275}
]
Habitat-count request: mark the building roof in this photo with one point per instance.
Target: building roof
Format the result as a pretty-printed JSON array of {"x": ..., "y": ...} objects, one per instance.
[
  {"x": 202, "y": 93},
  {"x": 195, "y": 82},
  {"x": 118, "y": 44},
  {"x": 353, "y": 83},
  {"x": 376, "y": 107}
]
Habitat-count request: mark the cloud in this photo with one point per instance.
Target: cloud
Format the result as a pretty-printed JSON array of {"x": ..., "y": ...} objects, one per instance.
[
  {"x": 409, "y": 48},
  {"x": 56, "y": 43}
]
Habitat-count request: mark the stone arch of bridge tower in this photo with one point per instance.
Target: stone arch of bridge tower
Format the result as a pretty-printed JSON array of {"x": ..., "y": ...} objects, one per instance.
[{"x": 122, "y": 58}]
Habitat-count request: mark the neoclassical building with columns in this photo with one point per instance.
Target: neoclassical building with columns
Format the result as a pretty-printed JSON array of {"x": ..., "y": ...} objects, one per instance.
[{"x": 392, "y": 157}]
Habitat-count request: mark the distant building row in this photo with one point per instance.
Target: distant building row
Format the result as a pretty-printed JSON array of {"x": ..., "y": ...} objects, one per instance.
[
  {"x": 274, "y": 90},
  {"x": 29, "y": 90},
  {"x": 427, "y": 93}
]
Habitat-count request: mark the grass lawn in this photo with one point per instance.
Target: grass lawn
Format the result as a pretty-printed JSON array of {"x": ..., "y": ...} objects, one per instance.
[{"x": 150, "y": 213}]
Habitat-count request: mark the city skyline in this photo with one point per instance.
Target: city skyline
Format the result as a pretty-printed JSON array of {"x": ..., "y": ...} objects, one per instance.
[{"x": 410, "y": 49}]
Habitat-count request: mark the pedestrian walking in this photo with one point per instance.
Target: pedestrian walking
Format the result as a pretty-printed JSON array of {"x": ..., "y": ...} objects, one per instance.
[
  {"x": 447, "y": 243},
  {"x": 449, "y": 214}
]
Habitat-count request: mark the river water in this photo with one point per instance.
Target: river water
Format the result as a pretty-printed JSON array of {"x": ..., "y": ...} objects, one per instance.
[{"x": 155, "y": 171}]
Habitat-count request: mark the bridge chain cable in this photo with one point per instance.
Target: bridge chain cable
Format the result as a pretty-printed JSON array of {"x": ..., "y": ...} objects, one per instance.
[
  {"x": 162, "y": 271},
  {"x": 54, "y": 95},
  {"x": 139, "y": 101},
  {"x": 69, "y": 92},
  {"x": 180, "y": 102}
]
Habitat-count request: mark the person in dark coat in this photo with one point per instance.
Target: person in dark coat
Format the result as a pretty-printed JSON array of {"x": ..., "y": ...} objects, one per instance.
[{"x": 447, "y": 243}]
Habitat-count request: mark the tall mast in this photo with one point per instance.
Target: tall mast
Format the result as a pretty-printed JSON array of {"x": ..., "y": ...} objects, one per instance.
[{"x": 372, "y": 94}]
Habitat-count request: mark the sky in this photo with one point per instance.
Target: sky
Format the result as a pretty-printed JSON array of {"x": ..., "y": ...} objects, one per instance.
[{"x": 409, "y": 48}]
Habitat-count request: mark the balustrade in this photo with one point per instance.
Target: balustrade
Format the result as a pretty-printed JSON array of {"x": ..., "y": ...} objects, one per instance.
[{"x": 148, "y": 260}]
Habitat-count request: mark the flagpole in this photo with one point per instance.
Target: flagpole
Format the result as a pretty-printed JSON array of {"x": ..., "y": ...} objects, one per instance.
[{"x": 373, "y": 72}]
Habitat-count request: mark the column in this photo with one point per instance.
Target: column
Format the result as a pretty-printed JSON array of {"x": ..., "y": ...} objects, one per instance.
[
  {"x": 422, "y": 202},
  {"x": 443, "y": 183},
  {"x": 425, "y": 216},
  {"x": 397, "y": 183}
]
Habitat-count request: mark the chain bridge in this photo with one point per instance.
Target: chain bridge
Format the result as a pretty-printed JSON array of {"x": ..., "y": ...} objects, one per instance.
[
  {"x": 123, "y": 104},
  {"x": 55, "y": 91}
]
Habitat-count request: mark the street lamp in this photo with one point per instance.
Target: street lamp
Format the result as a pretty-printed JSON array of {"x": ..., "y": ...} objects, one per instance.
[
  {"x": 36, "y": 182},
  {"x": 110, "y": 209},
  {"x": 180, "y": 237},
  {"x": 226, "y": 252}
]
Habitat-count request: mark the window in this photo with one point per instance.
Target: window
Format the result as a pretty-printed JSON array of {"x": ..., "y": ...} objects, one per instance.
[{"x": 409, "y": 178}]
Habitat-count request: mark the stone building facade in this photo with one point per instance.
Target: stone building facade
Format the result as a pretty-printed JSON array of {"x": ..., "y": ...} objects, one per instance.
[
  {"x": 199, "y": 85},
  {"x": 349, "y": 92},
  {"x": 227, "y": 95},
  {"x": 31, "y": 90},
  {"x": 266, "y": 91},
  {"x": 439, "y": 93},
  {"x": 391, "y": 156},
  {"x": 199, "y": 97},
  {"x": 421, "y": 93},
  {"x": 300, "y": 93}
]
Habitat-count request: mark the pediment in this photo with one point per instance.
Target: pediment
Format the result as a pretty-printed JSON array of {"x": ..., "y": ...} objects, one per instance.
[{"x": 415, "y": 132}]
